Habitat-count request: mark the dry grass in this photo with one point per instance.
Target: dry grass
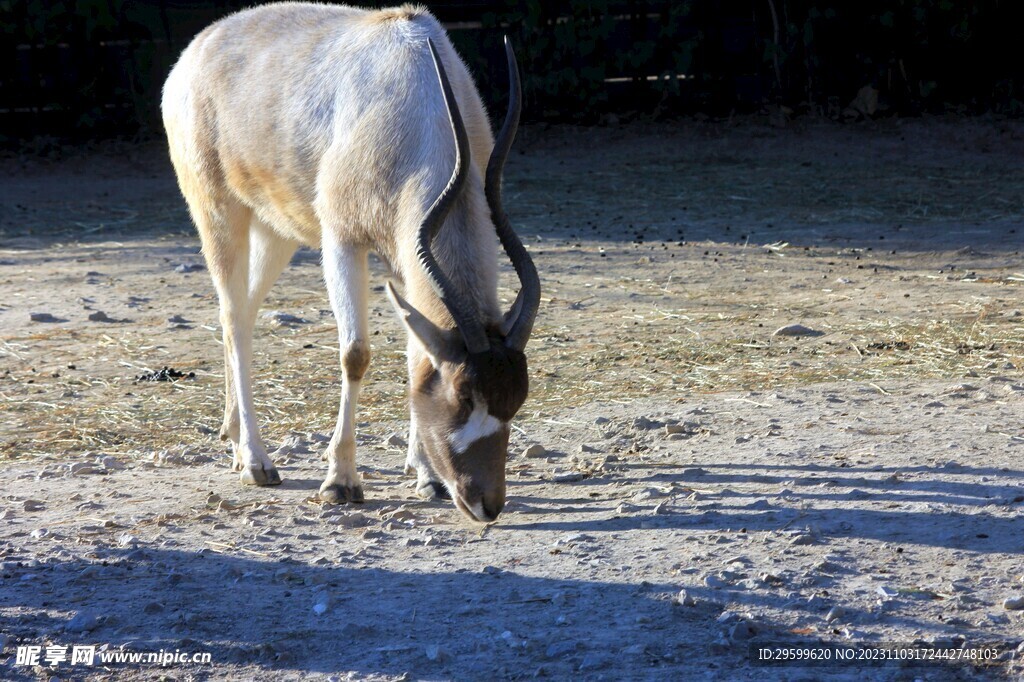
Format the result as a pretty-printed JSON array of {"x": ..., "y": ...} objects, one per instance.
[{"x": 651, "y": 318}]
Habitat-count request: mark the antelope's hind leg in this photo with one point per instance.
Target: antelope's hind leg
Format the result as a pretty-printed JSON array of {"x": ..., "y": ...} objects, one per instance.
[
  {"x": 269, "y": 255},
  {"x": 345, "y": 270},
  {"x": 224, "y": 227}
]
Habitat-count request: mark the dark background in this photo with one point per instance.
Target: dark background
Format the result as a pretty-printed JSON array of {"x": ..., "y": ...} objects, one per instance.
[{"x": 94, "y": 68}]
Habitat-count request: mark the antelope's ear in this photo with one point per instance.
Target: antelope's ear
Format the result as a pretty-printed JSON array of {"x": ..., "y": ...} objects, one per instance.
[
  {"x": 434, "y": 340},
  {"x": 512, "y": 315}
]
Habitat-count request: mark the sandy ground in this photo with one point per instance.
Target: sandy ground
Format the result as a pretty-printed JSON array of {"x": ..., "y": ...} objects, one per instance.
[{"x": 706, "y": 488}]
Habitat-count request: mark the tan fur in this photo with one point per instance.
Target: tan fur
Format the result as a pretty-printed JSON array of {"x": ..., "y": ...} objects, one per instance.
[
  {"x": 355, "y": 360},
  {"x": 324, "y": 125}
]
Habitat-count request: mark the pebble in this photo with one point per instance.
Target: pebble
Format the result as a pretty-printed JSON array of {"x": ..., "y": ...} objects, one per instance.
[
  {"x": 535, "y": 450},
  {"x": 804, "y": 539},
  {"x": 567, "y": 477},
  {"x": 321, "y": 602},
  {"x": 84, "y": 621},
  {"x": 645, "y": 424},
  {"x": 1014, "y": 603},
  {"x": 397, "y": 441},
  {"x": 684, "y": 598},
  {"x": 284, "y": 319},
  {"x": 649, "y": 494},
  {"x": 189, "y": 267},
  {"x": 593, "y": 662},
  {"x": 293, "y": 444},
  {"x": 111, "y": 464},
  {"x": 834, "y": 614},
  {"x": 797, "y": 330},
  {"x": 561, "y": 649},
  {"x": 45, "y": 317},
  {"x": 887, "y": 592},
  {"x": 82, "y": 468},
  {"x": 714, "y": 581},
  {"x": 741, "y": 632},
  {"x": 32, "y": 505},
  {"x": 100, "y": 316}
]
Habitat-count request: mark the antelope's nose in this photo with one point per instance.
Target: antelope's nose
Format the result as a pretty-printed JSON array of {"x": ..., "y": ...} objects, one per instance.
[{"x": 491, "y": 505}]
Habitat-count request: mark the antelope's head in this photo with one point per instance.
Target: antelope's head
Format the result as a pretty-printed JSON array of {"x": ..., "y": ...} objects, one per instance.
[{"x": 472, "y": 379}]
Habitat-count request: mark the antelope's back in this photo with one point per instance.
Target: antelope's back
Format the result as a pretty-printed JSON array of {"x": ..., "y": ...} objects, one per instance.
[{"x": 303, "y": 111}]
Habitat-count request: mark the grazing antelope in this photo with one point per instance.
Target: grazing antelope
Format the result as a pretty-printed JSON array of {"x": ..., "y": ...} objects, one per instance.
[{"x": 356, "y": 130}]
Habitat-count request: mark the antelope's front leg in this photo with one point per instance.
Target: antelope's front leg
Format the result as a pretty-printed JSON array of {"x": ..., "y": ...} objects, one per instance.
[
  {"x": 347, "y": 284},
  {"x": 428, "y": 484}
]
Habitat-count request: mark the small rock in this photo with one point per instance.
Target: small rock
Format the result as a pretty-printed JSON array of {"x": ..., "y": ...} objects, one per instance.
[
  {"x": 436, "y": 653},
  {"x": 45, "y": 317},
  {"x": 593, "y": 661},
  {"x": 321, "y": 603},
  {"x": 535, "y": 450},
  {"x": 649, "y": 494},
  {"x": 178, "y": 319},
  {"x": 100, "y": 316},
  {"x": 32, "y": 505},
  {"x": 797, "y": 330},
  {"x": 713, "y": 581},
  {"x": 152, "y": 607},
  {"x": 684, "y": 598},
  {"x": 834, "y": 614},
  {"x": 84, "y": 621},
  {"x": 111, "y": 464},
  {"x": 741, "y": 632},
  {"x": 803, "y": 539},
  {"x": 82, "y": 468},
  {"x": 887, "y": 592},
  {"x": 627, "y": 508},
  {"x": 1014, "y": 603},
  {"x": 560, "y": 649},
  {"x": 397, "y": 441},
  {"x": 567, "y": 477},
  {"x": 645, "y": 424},
  {"x": 189, "y": 267},
  {"x": 284, "y": 319}
]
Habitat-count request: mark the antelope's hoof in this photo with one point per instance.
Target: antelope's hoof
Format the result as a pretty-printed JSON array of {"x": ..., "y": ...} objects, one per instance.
[
  {"x": 432, "y": 490},
  {"x": 260, "y": 476},
  {"x": 336, "y": 493},
  {"x": 236, "y": 465}
]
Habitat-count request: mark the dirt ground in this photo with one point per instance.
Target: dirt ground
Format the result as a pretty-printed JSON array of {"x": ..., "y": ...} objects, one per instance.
[{"x": 707, "y": 487}]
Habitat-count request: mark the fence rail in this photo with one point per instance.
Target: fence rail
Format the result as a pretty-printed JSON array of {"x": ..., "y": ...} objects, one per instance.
[{"x": 95, "y": 67}]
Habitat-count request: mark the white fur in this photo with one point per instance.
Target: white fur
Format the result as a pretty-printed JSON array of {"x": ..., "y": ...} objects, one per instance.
[
  {"x": 325, "y": 125},
  {"x": 479, "y": 425}
]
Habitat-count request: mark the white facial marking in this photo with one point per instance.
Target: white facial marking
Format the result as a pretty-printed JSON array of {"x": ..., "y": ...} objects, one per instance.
[{"x": 479, "y": 425}]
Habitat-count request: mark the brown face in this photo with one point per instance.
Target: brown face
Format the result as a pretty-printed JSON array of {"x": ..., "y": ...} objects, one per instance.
[{"x": 462, "y": 409}]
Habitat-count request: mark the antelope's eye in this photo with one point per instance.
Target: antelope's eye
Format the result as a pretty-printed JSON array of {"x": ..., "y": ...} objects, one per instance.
[{"x": 466, "y": 404}]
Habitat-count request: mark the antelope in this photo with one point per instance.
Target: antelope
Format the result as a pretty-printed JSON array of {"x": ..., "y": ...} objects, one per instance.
[{"x": 355, "y": 131}]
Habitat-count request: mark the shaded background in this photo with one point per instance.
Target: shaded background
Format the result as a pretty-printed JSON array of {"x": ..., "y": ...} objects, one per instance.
[{"x": 92, "y": 68}]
